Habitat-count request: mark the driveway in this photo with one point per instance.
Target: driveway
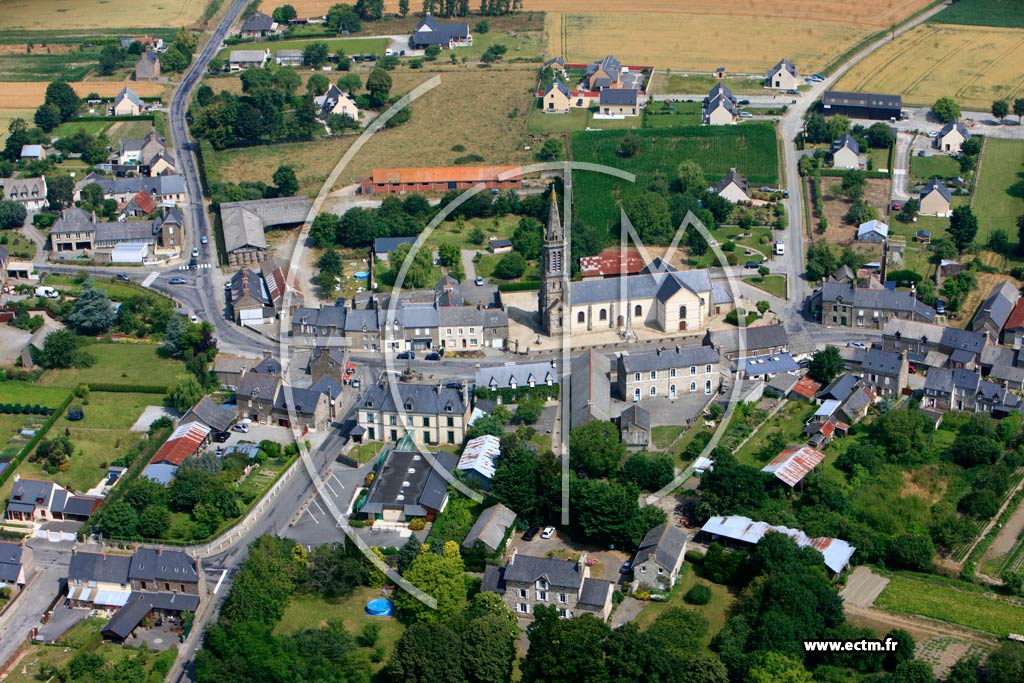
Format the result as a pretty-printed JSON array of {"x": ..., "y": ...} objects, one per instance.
[
  {"x": 901, "y": 165},
  {"x": 608, "y": 561},
  {"x": 471, "y": 293},
  {"x": 51, "y": 560}
]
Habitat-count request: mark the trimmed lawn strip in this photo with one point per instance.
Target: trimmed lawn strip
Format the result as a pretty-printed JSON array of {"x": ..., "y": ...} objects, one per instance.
[
  {"x": 663, "y": 436},
  {"x": 350, "y": 46},
  {"x": 773, "y": 284},
  {"x": 923, "y": 169},
  {"x": 999, "y": 193},
  {"x": 119, "y": 363},
  {"x": 716, "y": 611},
  {"x": 13, "y": 391}
]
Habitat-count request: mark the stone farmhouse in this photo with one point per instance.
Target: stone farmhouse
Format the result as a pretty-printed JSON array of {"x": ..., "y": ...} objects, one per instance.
[
  {"x": 147, "y": 68},
  {"x": 526, "y": 582},
  {"x": 659, "y": 558}
]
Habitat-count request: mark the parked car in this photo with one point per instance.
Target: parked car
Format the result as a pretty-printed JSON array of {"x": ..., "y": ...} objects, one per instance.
[
  {"x": 530, "y": 533},
  {"x": 743, "y": 102},
  {"x": 178, "y": 281},
  {"x": 933, "y": 134},
  {"x": 193, "y": 318},
  {"x": 432, "y": 356},
  {"x": 123, "y": 277},
  {"x": 746, "y": 115},
  {"x": 221, "y": 437},
  {"x": 548, "y": 532},
  {"x": 858, "y": 345},
  {"x": 752, "y": 264},
  {"x": 355, "y": 383},
  {"x": 406, "y": 355},
  {"x": 940, "y": 307},
  {"x": 204, "y": 240},
  {"x": 626, "y": 567},
  {"x": 792, "y": 92},
  {"x": 818, "y": 77},
  {"x": 240, "y": 428},
  {"x": 920, "y": 152},
  {"x": 479, "y": 281},
  {"x": 195, "y": 252}
]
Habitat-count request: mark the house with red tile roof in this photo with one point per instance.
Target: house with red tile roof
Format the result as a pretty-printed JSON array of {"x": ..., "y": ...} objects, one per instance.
[{"x": 440, "y": 179}]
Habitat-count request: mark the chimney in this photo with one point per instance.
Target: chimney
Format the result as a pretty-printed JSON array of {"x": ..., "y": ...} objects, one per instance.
[
  {"x": 267, "y": 353},
  {"x": 438, "y": 386},
  {"x": 553, "y": 363},
  {"x": 659, "y": 350},
  {"x": 159, "y": 550},
  {"x": 581, "y": 565},
  {"x": 512, "y": 557}
]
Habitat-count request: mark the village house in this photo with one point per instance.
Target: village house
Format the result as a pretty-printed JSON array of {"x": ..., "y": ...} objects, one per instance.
[
  {"x": 29, "y": 192},
  {"x": 557, "y": 98},
  {"x": 491, "y": 528},
  {"x": 140, "y": 151},
  {"x": 289, "y": 57},
  {"x": 526, "y": 582},
  {"x": 783, "y": 76},
  {"x": 733, "y": 188},
  {"x": 761, "y": 340},
  {"x": 995, "y": 310},
  {"x": 837, "y": 304},
  {"x": 168, "y": 190},
  {"x": 1013, "y": 329},
  {"x": 666, "y": 372},
  {"x": 604, "y": 74},
  {"x": 590, "y": 388},
  {"x": 15, "y": 565},
  {"x": 619, "y": 102},
  {"x": 517, "y": 375},
  {"x": 383, "y": 246},
  {"x": 327, "y": 361},
  {"x": 556, "y": 64},
  {"x": 440, "y": 179},
  {"x": 77, "y": 232},
  {"x": 430, "y": 414},
  {"x": 139, "y": 206},
  {"x": 239, "y": 60},
  {"x": 218, "y": 417},
  {"x": 659, "y": 558},
  {"x": 845, "y": 152},
  {"x": 885, "y": 372},
  {"x": 635, "y": 427},
  {"x": 872, "y": 231},
  {"x": 965, "y": 391},
  {"x": 719, "y": 108},
  {"x": 127, "y": 103},
  {"x": 952, "y": 137},
  {"x": 98, "y": 580},
  {"x": 430, "y": 31},
  {"x": 471, "y": 328},
  {"x": 934, "y": 199},
  {"x": 259, "y": 25},
  {"x": 257, "y": 295},
  {"x": 337, "y": 101},
  {"x": 36, "y": 500},
  {"x": 934, "y": 346},
  {"x": 147, "y": 68},
  {"x": 409, "y": 484}
]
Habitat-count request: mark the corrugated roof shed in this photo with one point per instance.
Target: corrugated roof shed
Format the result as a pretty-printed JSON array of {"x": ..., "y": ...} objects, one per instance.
[
  {"x": 185, "y": 441},
  {"x": 837, "y": 552},
  {"x": 793, "y": 464}
]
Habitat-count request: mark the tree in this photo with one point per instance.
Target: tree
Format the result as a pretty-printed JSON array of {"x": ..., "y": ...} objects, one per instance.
[
  {"x": 773, "y": 667},
  {"x": 154, "y": 520},
  {"x": 185, "y": 392},
  {"x": 439, "y": 577},
  {"x": 1018, "y": 108},
  {"x": 904, "y": 647},
  {"x": 284, "y": 14},
  {"x": 92, "y": 196},
  {"x": 285, "y": 181},
  {"x": 93, "y": 313},
  {"x": 595, "y": 449},
  {"x": 909, "y": 210},
  {"x": 450, "y": 256},
  {"x": 963, "y": 226},
  {"x": 324, "y": 230},
  {"x": 881, "y": 135},
  {"x": 1001, "y": 109},
  {"x": 527, "y": 239},
  {"x": 60, "y": 191},
  {"x": 691, "y": 177},
  {"x": 629, "y": 146},
  {"x": 350, "y": 83},
  {"x": 62, "y": 349},
  {"x": 427, "y": 653},
  {"x": 913, "y": 671},
  {"x": 378, "y": 83},
  {"x": 550, "y": 150},
  {"x": 946, "y": 109},
  {"x": 825, "y": 365},
  {"x": 47, "y": 117},
  {"x": 510, "y": 266},
  {"x": 403, "y": 7},
  {"x": 118, "y": 520},
  {"x": 650, "y": 215},
  {"x": 343, "y": 18},
  {"x": 564, "y": 650},
  {"x": 317, "y": 84},
  {"x": 54, "y": 453},
  {"x": 836, "y": 126},
  {"x": 911, "y": 551},
  {"x": 12, "y": 214},
  {"x": 110, "y": 59},
  {"x": 63, "y": 96},
  {"x": 314, "y": 55},
  {"x": 489, "y": 648},
  {"x": 431, "y": 52}
]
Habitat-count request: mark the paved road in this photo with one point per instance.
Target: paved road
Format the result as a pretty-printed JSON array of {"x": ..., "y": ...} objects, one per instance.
[
  {"x": 51, "y": 561},
  {"x": 901, "y": 165}
]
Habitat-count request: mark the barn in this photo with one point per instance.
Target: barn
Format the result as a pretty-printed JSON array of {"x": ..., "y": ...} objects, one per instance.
[{"x": 862, "y": 105}]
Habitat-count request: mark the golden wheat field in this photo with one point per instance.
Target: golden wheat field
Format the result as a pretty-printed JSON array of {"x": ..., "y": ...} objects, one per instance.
[
  {"x": 77, "y": 14},
  {"x": 976, "y": 65},
  {"x": 741, "y": 44},
  {"x": 31, "y": 93}
]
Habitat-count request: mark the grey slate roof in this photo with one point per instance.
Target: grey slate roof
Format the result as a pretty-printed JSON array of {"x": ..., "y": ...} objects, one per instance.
[
  {"x": 678, "y": 357},
  {"x": 100, "y": 567},
  {"x": 303, "y": 401},
  {"x": 157, "y": 185},
  {"x": 258, "y": 22},
  {"x": 935, "y": 184},
  {"x": 10, "y": 561},
  {"x": 490, "y": 527},
  {"x": 634, "y": 415},
  {"x": 666, "y": 542},
  {"x": 732, "y": 177},
  {"x": 73, "y": 219},
  {"x": 268, "y": 366},
  {"x": 149, "y": 564},
  {"x": 862, "y": 99},
  {"x": 857, "y": 402},
  {"x": 386, "y": 245},
  {"x": 558, "y": 85},
  {"x": 258, "y": 385},
  {"x": 840, "y": 388},
  {"x": 244, "y": 222},
  {"x": 430, "y": 31},
  {"x": 417, "y": 398},
  {"x": 140, "y": 603},
  {"x": 882, "y": 362},
  {"x": 590, "y": 388},
  {"x": 361, "y": 319},
  {"x": 80, "y": 506},
  {"x": 128, "y": 94},
  {"x": 594, "y": 592},
  {"x": 528, "y": 569},
  {"x": 784, "y": 64},
  {"x": 447, "y": 291},
  {"x": 618, "y": 97},
  {"x": 660, "y": 285},
  {"x": 502, "y": 376},
  {"x": 28, "y": 491},
  {"x": 939, "y": 380},
  {"x": 997, "y": 306},
  {"x": 881, "y": 299},
  {"x": 845, "y": 141},
  {"x": 757, "y": 338},
  {"x": 408, "y": 480},
  {"x": 960, "y": 128},
  {"x": 331, "y": 99},
  {"x": 212, "y": 414}
]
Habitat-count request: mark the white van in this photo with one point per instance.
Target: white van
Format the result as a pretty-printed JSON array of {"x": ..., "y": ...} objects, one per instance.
[
  {"x": 48, "y": 292},
  {"x": 780, "y": 248}
]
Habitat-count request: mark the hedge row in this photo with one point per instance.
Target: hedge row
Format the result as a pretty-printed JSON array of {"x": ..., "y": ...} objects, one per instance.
[
  {"x": 19, "y": 409},
  {"x": 519, "y": 286},
  {"x": 115, "y": 388},
  {"x": 83, "y": 119},
  {"x": 839, "y": 173},
  {"x": 40, "y": 433}
]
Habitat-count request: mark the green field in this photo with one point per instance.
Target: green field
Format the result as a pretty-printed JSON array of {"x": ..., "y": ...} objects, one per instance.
[
  {"x": 773, "y": 284},
  {"x": 698, "y": 84},
  {"x": 11, "y": 36},
  {"x": 576, "y": 120},
  {"x": 1006, "y": 13},
  {"x": 672, "y": 114},
  {"x": 31, "y": 393},
  {"x": 999, "y": 193},
  {"x": 349, "y": 46},
  {"x": 90, "y": 127},
  {"x": 750, "y": 148},
  {"x": 958, "y": 603},
  {"x": 934, "y": 166},
  {"x": 135, "y": 364},
  {"x": 522, "y": 45},
  {"x": 39, "y": 66},
  {"x": 716, "y": 611}
]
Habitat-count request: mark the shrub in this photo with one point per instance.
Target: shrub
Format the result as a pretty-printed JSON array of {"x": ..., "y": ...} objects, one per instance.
[
  {"x": 642, "y": 595},
  {"x": 698, "y": 595},
  {"x": 417, "y": 524}
]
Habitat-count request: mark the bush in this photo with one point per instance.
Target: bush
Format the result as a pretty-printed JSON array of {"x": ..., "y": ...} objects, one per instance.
[
  {"x": 417, "y": 524},
  {"x": 642, "y": 595},
  {"x": 698, "y": 595}
]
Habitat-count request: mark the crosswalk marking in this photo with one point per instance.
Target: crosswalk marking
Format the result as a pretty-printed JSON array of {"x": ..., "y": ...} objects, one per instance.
[
  {"x": 198, "y": 265},
  {"x": 150, "y": 279}
]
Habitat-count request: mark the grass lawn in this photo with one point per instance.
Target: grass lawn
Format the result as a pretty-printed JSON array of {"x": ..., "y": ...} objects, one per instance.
[
  {"x": 923, "y": 169},
  {"x": 999, "y": 195},
  {"x": 581, "y": 119},
  {"x": 542, "y": 441},
  {"x": 485, "y": 264},
  {"x": 789, "y": 422},
  {"x": 350, "y": 46},
  {"x": 451, "y": 231},
  {"x": 115, "y": 289},
  {"x": 129, "y": 130},
  {"x": 879, "y": 158},
  {"x": 12, "y": 391},
  {"x": 137, "y": 364},
  {"x": 18, "y": 245},
  {"x": 668, "y": 114},
  {"x": 366, "y": 451},
  {"x": 773, "y": 284},
  {"x": 517, "y": 44},
  {"x": 697, "y": 84},
  {"x": 664, "y": 435},
  {"x": 313, "y": 611},
  {"x": 716, "y": 611},
  {"x": 90, "y": 127},
  {"x": 958, "y": 603}
]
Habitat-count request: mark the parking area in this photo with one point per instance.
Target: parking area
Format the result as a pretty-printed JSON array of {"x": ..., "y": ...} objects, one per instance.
[
  {"x": 314, "y": 524},
  {"x": 606, "y": 563}
]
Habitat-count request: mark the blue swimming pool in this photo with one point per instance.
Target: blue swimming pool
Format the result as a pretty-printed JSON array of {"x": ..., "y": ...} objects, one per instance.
[
  {"x": 380, "y": 607},
  {"x": 361, "y": 274}
]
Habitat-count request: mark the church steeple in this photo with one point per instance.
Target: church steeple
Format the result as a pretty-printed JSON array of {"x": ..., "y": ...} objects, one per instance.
[
  {"x": 552, "y": 294},
  {"x": 554, "y": 232}
]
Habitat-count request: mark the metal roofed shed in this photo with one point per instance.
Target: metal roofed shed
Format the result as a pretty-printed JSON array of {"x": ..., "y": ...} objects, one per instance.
[
  {"x": 793, "y": 464},
  {"x": 479, "y": 455},
  {"x": 837, "y": 552}
]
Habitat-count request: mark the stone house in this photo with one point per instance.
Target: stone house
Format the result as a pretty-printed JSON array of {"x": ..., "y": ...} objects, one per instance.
[
  {"x": 526, "y": 582},
  {"x": 666, "y": 372},
  {"x": 429, "y": 414},
  {"x": 147, "y": 68},
  {"x": 885, "y": 372},
  {"x": 659, "y": 558},
  {"x": 635, "y": 427}
]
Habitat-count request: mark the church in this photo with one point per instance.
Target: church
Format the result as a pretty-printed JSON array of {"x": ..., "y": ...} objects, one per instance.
[{"x": 660, "y": 297}]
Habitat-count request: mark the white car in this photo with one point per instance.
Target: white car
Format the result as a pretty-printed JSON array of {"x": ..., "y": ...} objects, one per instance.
[
  {"x": 548, "y": 532},
  {"x": 241, "y": 428},
  {"x": 195, "y": 252},
  {"x": 746, "y": 115},
  {"x": 933, "y": 134}
]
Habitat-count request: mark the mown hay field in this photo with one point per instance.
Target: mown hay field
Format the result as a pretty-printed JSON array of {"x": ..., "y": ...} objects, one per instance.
[
  {"x": 8, "y": 115},
  {"x": 44, "y": 14},
  {"x": 975, "y": 65},
  {"x": 31, "y": 94},
  {"x": 743, "y": 44},
  {"x": 750, "y": 148},
  {"x": 490, "y": 124}
]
